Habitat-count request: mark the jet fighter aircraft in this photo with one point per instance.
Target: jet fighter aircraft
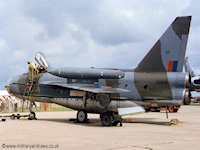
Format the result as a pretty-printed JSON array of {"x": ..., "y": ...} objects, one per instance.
[
  {"x": 157, "y": 80},
  {"x": 195, "y": 78}
]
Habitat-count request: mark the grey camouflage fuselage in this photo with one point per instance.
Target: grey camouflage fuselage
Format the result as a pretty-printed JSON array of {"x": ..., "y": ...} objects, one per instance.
[{"x": 157, "y": 81}]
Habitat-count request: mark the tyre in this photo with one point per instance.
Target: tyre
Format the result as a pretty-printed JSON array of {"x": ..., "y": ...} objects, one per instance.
[
  {"x": 18, "y": 116},
  {"x": 81, "y": 116},
  {"x": 187, "y": 102},
  {"x": 176, "y": 110},
  {"x": 12, "y": 117},
  {"x": 106, "y": 119},
  {"x": 115, "y": 123},
  {"x": 32, "y": 116}
]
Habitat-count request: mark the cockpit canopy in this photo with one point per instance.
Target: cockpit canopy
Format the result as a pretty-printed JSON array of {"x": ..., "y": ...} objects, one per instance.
[{"x": 41, "y": 60}]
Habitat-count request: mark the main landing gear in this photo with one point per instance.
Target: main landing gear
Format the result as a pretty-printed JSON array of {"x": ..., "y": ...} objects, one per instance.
[
  {"x": 110, "y": 119},
  {"x": 107, "y": 119}
]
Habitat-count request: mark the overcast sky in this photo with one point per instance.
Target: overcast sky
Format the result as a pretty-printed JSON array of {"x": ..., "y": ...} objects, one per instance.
[{"x": 85, "y": 33}]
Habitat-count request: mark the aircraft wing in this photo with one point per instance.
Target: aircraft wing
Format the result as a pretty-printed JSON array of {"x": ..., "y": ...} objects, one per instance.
[{"x": 87, "y": 87}]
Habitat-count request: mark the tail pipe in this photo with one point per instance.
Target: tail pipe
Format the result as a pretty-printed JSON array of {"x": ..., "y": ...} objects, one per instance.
[
  {"x": 187, "y": 97},
  {"x": 188, "y": 81}
]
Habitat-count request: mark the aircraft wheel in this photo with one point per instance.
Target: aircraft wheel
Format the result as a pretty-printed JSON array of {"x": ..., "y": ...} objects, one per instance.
[
  {"x": 18, "y": 116},
  {"x": 106, "y": 119},
  {"x": 187, "y": 102},
  {"x": 81, "y": 116},
  {"x": 176, "y": 110},
  {"x": 115, "y": 123},
  {"x": 12, "y": 117},
  {"x": 32, "y": 116},
  {"x": 3, "y": 120}
]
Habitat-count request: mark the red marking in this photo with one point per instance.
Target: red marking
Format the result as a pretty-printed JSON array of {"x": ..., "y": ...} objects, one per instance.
[
  {"x": 171, "y": 109},
  {"x": 28, "y": 87},
  {"x": 170, "y": 66},
  {"x": 105, "y": 87}
]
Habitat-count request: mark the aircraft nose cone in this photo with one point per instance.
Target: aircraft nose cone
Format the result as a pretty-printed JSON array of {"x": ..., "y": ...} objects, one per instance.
[
  {"x": 12, "y": 86},
  {"x": 7, "y": 86}
]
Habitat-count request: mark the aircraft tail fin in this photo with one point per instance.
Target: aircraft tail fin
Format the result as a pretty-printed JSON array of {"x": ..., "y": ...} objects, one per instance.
[{"x": 168, "y": 53}]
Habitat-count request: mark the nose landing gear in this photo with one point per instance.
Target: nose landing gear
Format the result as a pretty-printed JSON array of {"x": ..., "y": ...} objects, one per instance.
[{"x": 32, "y": 116}]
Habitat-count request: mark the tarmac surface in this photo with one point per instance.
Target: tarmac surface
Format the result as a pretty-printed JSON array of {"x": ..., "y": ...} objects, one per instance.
[{"x": 149, "y": 131}]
